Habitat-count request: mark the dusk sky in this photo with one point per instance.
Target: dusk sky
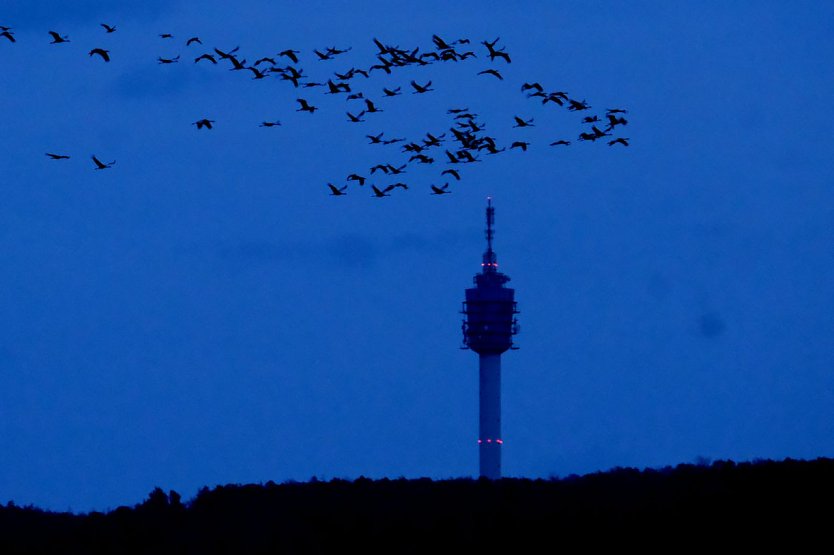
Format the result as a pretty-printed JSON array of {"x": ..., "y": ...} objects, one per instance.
[{"x": 204, "y": 312}]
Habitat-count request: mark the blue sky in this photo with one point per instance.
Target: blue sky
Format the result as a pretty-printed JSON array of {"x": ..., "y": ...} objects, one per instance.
[{"x": 204, "y": 313}]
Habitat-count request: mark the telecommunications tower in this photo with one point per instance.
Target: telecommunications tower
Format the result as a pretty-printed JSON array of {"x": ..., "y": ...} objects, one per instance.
[{"x": 488, "y": 330}]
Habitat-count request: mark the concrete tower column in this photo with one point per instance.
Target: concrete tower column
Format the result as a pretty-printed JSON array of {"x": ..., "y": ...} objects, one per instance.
[{"x": 489, "y": 439}]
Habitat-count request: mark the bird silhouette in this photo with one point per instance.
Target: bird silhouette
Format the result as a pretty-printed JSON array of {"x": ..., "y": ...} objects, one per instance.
[
  {"x": 291, "y": 54},
  {"x": 614, "y": 121},
  {"x": 257, "y": 74},
  {"x": 520, "y": 144},
  {"x": 380, "y": 194},
  {"x": 108, "y": 28},
  {"x": 57, "y": 156},
  {"x": 621, "y": 140},
  {"x": 208, "y": 57},
  {"x": 491, "y": 72},
  {"x": 336, "y": 88},
  {"x": 532, "y": 86},
  {"x": 207, "y": 123},
  {"x": 576, "y": 105},
  {"x": 442, "y": 190},
  {"x": 323, "y": 55},
  {"x": 452, "y": 172},
  {"x": 392, "y": 92},
  {"x": 375, "y": 139},
  {"x": 358, "y": 178},
  {"x": 166, "y": 36},
  {"x": 357, "y": 118},
  {"x": 337, "y": 191},
  {"x": 305, "y": 106},
  {"x": 422, "y": 158},
  {"x": 226, "y": 55},
  {"x": 193, "y": 40},
  {"x": 264, "y": 60},
  {"x": 493, "y": 53},
  {"x": 101, "y": 165},
  {"x": 419, "y": 89},
  {"x": 237, "y": 65},
  {"x": 105, "y": 54},
  {"x": 8, "y": 34},
  {"x": 58, "y": 39},
  {"x": 598, "y": 133},
  {"x": 371, "y": 108},
  {"x": 168, "y": 60},
  {"x": 560, "y": 142},
  {"x": 431, "y": 140},
  {"x": 275, "y": 123},
  {"x": 523, "y": 123}
]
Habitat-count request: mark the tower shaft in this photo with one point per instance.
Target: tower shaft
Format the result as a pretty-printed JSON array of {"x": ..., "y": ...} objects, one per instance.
[{"x": 489, "y": 428}]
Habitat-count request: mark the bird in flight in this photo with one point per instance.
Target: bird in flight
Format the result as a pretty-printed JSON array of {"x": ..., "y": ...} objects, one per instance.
[
  {"x": 560, "y": 142},
  {"x": 58, "y": 39},
  {"x": 270, "y": 123},
  {"x": 443, "y": 190},
  {"x": 57, "y": 156},
  {"x": 523, "y": 123},
  {"x": 7, "y": 33},
  {"x": 383, "y": 193},
  {"x": 168, "y": 60},
  {"x": 452, "y": 172},
  {"x": 493, "y": 53},
  {"x": 226, "y": 55},
  {"x": 520, "y": 144},
  {"x": 203, "y": 123},
  {"x": 105, "y": 54},
  {"x": 355, "y": 177},
  {"x": 101, "y": 165},
  {"x": 257, "y": 74},
  {"x": 108, "y": 28},
  {"x": 337, "y": 191},
  {"x": 192, "y": 40},
  {"x": 208, "y": 57},
  {"x": 392, "y": 92},
  {"x": 418, "y": 89},
  {"x": 534, "y": 86},
  {"x": 575, "y": 105},
  {"x": 305, "y": 106},
  {"x": 491, "y": 72},
  {"x": 357, "y": 118},
  {"x": 621, "y": 140},
  {"x": 370, "y": 107},
  {"x": 291, "y": 54},
  {"x": 166, "y": 36}
]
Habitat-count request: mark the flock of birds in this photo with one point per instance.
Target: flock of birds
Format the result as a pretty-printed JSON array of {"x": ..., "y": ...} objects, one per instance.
[{"x": 465, "y": 140}]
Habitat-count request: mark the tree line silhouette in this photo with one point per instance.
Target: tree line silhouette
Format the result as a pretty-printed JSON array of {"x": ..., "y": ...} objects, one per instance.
[{"x": 674, "y": 508}]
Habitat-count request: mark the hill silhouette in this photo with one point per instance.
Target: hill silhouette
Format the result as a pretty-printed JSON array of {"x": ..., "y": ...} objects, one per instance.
[{"x": 711, "y": 506}]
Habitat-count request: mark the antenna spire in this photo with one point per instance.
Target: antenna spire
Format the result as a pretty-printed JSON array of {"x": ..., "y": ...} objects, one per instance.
[{"x": 490, "y": 263}]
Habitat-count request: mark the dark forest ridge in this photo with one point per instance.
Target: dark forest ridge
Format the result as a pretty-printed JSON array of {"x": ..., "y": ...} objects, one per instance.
[{"x": 749, "y": 502}]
